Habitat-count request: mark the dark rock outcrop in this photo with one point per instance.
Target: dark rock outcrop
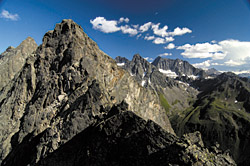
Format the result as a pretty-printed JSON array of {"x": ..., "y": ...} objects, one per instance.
[
  {"x": 125, "y": 139},
  {"x": 119, "y": 59}
]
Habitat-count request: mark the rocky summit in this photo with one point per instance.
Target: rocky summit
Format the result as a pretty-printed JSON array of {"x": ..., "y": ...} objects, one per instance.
[{"x": 69, "y": 104}]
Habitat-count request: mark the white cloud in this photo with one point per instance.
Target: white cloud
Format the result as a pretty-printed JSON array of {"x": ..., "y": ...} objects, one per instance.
[
  {"x": 159, "y": 40},
  {"x": 111, "y": 26},
  {"x": 122, "y": 19},
  {"x": 216, "y": 64},
  {"x": 228, "y": 54},
  {"x": 160, "y": 31},
  {"x": 169, "y": 39},
  {"x": 202, "y": 50},
  {"x": 180, "y": 31},
  {"x": 234, "y": 63},
  {"x": 165, "y": 54},
  {"x": 138, "y": 36},
  {"x": 148, "y": 59},
  {"x": 235, "y": 49},
  {"x": 7, "y": 15},
  {"x": 203, "y": 65},
  {"x": 145, "y": 27},
  {"x": 149, "y": 37},
  {"x": 170, "y": 46},
  {"x": 127, "y": 29},
  {"x": 106, "y": 26},
  {"x": 135, "y": 26}
]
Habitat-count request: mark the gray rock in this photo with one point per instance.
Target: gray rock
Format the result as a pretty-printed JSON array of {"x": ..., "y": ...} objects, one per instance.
[
  {"x": 13, "y": 60},
  {"x": 178, "y": 66}
]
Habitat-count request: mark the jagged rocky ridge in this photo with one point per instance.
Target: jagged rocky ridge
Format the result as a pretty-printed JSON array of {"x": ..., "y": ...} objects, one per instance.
[
  {"x": 179, "y": 67},
  {"x": 122, "y": 138},
  {"x": 66, "y": 91},
  {"x": 219, "y": 110},
  {"x": 174, "y": 94},
  {"x": 13, "y": 59}
]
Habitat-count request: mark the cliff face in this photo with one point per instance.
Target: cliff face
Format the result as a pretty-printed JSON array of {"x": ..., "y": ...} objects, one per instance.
[
  {"x": 178, "y": 66},
  {"x": 67, "y": 85},
  {"x": 13, "y": 59},
  {"x": 174, "y": 94}
]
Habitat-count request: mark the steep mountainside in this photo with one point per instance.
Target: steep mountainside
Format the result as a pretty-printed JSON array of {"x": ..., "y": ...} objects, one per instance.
[
  {"x": 174, "y": 95},
  {"x": 13, "y": 59},
  {"x": 65, "y": 87},
  {"x": 221, "y": 114},
  {"x": 212, "y": 72},
  {"x": 178, "y": 66}
]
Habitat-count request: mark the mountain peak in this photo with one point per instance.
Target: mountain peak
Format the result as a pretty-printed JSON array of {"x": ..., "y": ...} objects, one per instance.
[
  {"x": 10, "y": 48},
  {"x": 13, "y": 59},
  {"x": 137, "y": 57},
  {"x": 66, "y": 30},
  {"x": 27, "y": 45}
]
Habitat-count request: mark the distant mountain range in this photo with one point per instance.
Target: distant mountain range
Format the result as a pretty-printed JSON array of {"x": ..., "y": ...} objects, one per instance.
[
  {"x": 199, "y": 100},
  {"x": 68, "y": 103}
]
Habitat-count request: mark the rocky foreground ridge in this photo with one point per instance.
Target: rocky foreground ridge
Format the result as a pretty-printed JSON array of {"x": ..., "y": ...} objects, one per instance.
[{"x": 70, "y": 104}]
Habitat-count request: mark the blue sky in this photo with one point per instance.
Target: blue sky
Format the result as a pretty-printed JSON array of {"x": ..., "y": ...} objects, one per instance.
[{"x": 206, "y": 33}]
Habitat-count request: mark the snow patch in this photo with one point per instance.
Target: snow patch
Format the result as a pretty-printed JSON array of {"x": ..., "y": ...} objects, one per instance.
[
  {"x": 143, "y": 83},
  {"x": 209, "y": 77},
  {"x": 132, "y": 74},
  {"x": 193, "y": 77},
  {"x": 183, "y": 83},
  {"x": 235, "y": 101},
  {"x": 144, "y": 74},
  {"x": 169, "y": 73},
  {"x": 120, "y": 64}
]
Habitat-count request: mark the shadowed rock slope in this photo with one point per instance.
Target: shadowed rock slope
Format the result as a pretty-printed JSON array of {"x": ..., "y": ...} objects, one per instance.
[
  {"x": 67, "y": 85},
  {"x": 122, "y": 138}
]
